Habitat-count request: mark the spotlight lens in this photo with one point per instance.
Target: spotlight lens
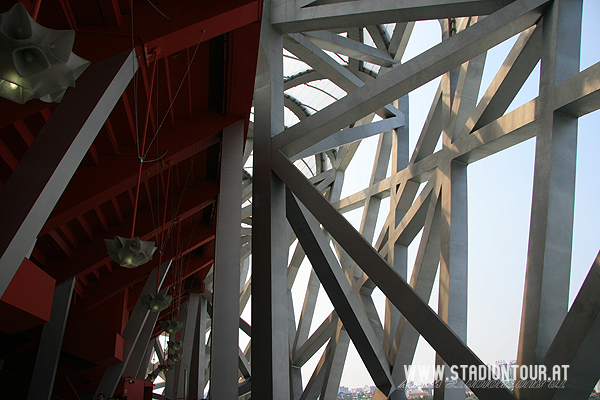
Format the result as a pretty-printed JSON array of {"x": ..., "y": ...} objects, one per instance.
[{"x": 13, "y": 86}]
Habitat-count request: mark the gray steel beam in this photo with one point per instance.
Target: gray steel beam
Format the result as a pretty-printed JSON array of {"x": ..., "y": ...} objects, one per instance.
[
  {"x": 546, "y": 294},
  {"x": 315, "y": 383},
  {"x": 137, "y": 363},
  {"x": 399, "y": 40},
  {"x": 335, "y": 367},
  {"x": 514, "y": 71},
  {"x": 184, "y": 367},
  {"x": 453, "y": 350},
  {"x": 198, "y": 364},
  {"x": 225, "y": 322},
  {"x": 345, "y": 78},
  {"x": 132, "y": 332},
  {"x": 577, "y": 343},
  {"x": 270, "y": 348},
  {"x": 449, "y": 54},
  {"x": 289, "y": 18},
  {"x": 308, "y": 308},
  {"x": 340, "y": 293},
  {"x": 350, "y": 135},
  {"x": 397, "y": 253},
  {"x": 316, "y": 340},
  {"x": 46, "y": 361},
  {"x": 36, "y": 184},
  {"x": 348, "y": 47},
  {"x": 423, "y": 276}
]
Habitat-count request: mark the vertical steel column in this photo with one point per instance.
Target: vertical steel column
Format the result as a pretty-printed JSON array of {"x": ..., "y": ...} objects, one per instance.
[
  {"x": 546, "y": 295},
  {"x": 43, "y": 173},
  {"x": 189, "y": 333},
  {"x": 399, "y": 254},
  {"x": 48, "y": 354},
  {"x": 198, "y": 365},
  {"x": 270, "y": 349},
  {"x": 226, "y": 281},
  {"x": 452, "y": 301}
]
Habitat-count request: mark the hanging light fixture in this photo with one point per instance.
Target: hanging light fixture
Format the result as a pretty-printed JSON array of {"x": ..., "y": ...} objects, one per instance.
[
  {"x": 152, "y": 376},
  {"x": 165, "y": 367},
  {"x": 130, "y": 253},
  {"x": 175, "y": 357},
  {"x": 156, "y": 302},
  {"x": 171, "y": 326},
  {"x": 176, "y": 344},
  {"x": 35, "y": 62}
]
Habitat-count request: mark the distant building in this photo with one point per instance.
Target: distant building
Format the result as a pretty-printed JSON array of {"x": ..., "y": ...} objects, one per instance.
[
  {"x": 416, "y": 394},
  {"x": 343, "y": 390}
]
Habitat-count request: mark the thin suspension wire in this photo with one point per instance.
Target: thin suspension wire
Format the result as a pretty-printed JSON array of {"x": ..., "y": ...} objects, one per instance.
[
  {"x": 160, "y": 12},
  {"x": 174, "y": 213},
  {"x": 137, "y": 192},
  {"x": 135, "y": 85},
  {"x": 178, "y": 89}
]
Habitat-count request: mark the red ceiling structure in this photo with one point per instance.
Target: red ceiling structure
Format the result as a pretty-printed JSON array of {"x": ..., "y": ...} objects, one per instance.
[{"x": 197, "y": 62}]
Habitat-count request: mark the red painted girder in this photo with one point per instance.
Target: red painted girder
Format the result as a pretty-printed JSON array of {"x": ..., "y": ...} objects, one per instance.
[
  {"x": 24, "y": 131},
  {"x": 93, "y": 186},
  {"x": 184, "y": 29},
  {"x": 70, "y": 237},
  {"x": 122, "y": 278},
  {"x": 92, "y": 255},
  {"x": 111, "y": 12},
  {"x": 86, "y": 226},
  {"x": 169, "y": 91},
  {"x": 7, "y": 155},
  {"x": 129, "y": 113},
  {"x": 196, "y": 264},
  {"x": 12, "y": 112}
]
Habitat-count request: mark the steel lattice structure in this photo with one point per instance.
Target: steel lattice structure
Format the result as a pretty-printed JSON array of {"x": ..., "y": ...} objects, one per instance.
[
  {"x": 288, "y": 209},
  {"x": 469, "y": 130}
]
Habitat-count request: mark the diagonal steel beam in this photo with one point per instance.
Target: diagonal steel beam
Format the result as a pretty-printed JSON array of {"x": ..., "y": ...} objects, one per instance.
[
  {"x": 351, "y": 48},
  {"x": 451, "y": 348},
  {"x": 449, "y": 54},
  {"x": 37, "y": 183},
  {"x": 576, "y": 344},
  {"x": 132, "y": 332},
  {"x": 340, "y": 292},
  {"x": 352, "y": 135}
]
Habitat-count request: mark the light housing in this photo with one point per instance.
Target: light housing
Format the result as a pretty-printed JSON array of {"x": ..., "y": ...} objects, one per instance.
[
  {"x": 130, "y": 253},
  {"x": 156, "y": 302},
  {"x": 171, "y": 326},
  {"x": 35, "y": 62},
  {"x": 176, "y": 344}
]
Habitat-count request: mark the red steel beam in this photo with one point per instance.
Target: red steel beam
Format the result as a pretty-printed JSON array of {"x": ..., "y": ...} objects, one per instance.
[
  {"x": 122, "y": 278},
  {"x": 92, "y": 255},
  {"x": 93, "y": 186}
]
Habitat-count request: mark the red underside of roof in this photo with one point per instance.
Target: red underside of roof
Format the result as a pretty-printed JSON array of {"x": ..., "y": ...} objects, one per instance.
[{"x": 99, "y": 200}]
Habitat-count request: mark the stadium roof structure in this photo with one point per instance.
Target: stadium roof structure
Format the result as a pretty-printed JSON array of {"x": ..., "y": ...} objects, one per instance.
[{"x": 211, "y": 172}]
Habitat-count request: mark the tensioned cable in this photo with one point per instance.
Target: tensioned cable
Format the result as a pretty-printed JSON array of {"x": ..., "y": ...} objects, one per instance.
[
  {"x": 160, "y": 12},
  {"x": 178, "y": 89},
  {"x": 176, "y": 211},
  {"x": 135, "y": 86}
]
